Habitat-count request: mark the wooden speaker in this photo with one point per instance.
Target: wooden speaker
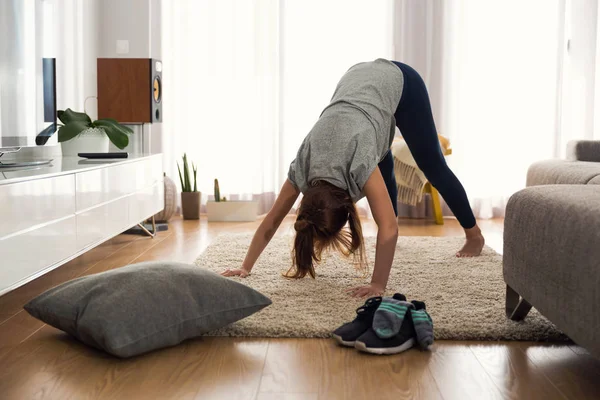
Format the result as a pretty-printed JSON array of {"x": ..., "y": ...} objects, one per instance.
[{"x": 130, "y": 89}]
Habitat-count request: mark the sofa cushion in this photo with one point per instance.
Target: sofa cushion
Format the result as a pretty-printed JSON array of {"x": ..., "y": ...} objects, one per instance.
[
  {"x": 562, "y": 172},
  {"x": 146, "y": 306}
]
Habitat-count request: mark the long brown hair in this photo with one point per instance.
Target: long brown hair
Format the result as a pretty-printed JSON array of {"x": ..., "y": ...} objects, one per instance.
[{"x": 322, "y": 216}]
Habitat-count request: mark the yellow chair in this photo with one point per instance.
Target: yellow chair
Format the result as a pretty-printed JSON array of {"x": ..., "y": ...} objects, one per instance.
[{"x": 435, "y": 197}]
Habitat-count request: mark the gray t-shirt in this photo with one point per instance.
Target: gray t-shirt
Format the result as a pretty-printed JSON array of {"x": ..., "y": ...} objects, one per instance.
[{"x": 354, "y": 132}]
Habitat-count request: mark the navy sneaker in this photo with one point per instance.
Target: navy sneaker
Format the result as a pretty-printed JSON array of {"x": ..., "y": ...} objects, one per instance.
[
  {"x": 369, "y": 342},
  {"x": 347, "y": 334}
]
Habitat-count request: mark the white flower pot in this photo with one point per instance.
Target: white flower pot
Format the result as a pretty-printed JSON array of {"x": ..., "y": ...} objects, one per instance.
[
  {"x": 232, "y": 211},
  {"x": 91, "y": 140}
]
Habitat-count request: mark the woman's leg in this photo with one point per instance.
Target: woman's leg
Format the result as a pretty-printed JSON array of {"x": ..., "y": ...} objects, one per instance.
[
  {"x": 415, "y": 121},
  {"x": 386, "y": 166}
]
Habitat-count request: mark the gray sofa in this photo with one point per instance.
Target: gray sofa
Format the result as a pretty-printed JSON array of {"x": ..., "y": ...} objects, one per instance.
[{"x": 551, "y": 255}]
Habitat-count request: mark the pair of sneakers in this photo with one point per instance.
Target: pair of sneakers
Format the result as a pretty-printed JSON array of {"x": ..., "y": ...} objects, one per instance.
[{"x": 387, "y": 325}]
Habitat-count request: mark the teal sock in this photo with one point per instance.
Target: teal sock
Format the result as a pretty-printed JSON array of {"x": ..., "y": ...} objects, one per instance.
[
  {"x": 423, "y": 324},
  {"x": 390, "y": 315}
]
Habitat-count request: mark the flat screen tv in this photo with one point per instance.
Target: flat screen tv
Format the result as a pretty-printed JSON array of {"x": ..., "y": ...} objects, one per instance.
[{"x": 27, "y": 76}]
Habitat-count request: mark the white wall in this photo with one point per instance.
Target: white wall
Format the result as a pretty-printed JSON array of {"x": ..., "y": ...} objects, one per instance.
[
  {"x": 156, "y": 28},
  {"x": 124, "y": 20},
  {"x": 156, "y": 52},
  {"x": 91, "y": 44},
  {"x": 136, "y": 21}
]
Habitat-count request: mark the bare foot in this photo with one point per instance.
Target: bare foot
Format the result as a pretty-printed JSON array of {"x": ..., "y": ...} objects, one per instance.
[{"x": 473, "y": 244}]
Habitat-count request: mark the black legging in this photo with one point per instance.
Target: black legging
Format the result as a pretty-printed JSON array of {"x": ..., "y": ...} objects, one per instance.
[{"x": 415, "y": 121}]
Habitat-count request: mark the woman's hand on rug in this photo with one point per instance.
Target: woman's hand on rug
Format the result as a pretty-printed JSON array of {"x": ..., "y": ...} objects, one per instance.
[
  {"x": 236, "y": 272},
  {"x": 366, "y": 291}
]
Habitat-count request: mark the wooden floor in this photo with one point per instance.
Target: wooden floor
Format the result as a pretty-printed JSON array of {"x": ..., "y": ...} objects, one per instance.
[{"x": 40, "y": 362}]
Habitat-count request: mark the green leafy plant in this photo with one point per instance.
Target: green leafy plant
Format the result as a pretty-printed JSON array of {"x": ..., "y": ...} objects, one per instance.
[
  {"x": 73, "y": 123},
  {"x": 184, "y": 177}
]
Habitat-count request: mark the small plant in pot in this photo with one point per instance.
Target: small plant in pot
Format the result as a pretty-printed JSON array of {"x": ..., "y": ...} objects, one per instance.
[
  {"x": 217, "y": 193},
  {"x": 79, "y": 134},
  {"x": 190, "y": 196},
  {"x": 230, "y": 211}
]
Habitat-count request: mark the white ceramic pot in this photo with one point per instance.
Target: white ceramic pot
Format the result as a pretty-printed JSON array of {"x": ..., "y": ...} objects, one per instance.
[
  {"x": 232, "y": 211},
  {"x": 91, "y": 140}
]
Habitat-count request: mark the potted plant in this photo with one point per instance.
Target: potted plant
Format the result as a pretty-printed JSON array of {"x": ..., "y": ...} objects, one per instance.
[
  {"x": 230, "y": 211},
  {"x": 79, "y": 134},
  {"x": 190, "y": 196}
]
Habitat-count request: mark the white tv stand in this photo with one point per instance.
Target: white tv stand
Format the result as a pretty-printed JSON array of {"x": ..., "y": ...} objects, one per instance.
[{"x": 50, "y": 215}]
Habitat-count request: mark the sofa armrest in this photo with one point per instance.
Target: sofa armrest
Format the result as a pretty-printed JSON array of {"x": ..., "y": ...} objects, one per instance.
[
  {"x": 551, "y": 256},
  {"x": 583, "y": 150}
]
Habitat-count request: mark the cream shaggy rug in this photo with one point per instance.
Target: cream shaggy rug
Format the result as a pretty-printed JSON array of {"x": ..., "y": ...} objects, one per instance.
[{"x": 464, "y": 296}]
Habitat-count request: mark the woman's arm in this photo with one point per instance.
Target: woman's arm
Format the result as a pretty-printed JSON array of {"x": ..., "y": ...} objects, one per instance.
[
  {"x": 387, "y": 235},
  {"x": 265, "y": 232}
]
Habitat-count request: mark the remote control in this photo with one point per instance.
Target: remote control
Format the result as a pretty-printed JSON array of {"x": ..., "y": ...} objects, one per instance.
[{"x": 103, "y": 155}]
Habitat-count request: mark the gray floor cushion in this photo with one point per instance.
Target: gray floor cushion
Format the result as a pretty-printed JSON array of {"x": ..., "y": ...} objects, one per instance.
[{"x": 146, "y": 306}]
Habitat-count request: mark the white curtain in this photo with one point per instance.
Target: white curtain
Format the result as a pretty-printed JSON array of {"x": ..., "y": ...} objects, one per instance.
[
  {"x": 492, "y": 71},
  {"x": 320, "y": 41},
  {"x": 221, "y": 94},
  {"x": 580, "y": 99},
  {"x": 246, "y": 80},
  {"x": 596, "y": 107}
]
